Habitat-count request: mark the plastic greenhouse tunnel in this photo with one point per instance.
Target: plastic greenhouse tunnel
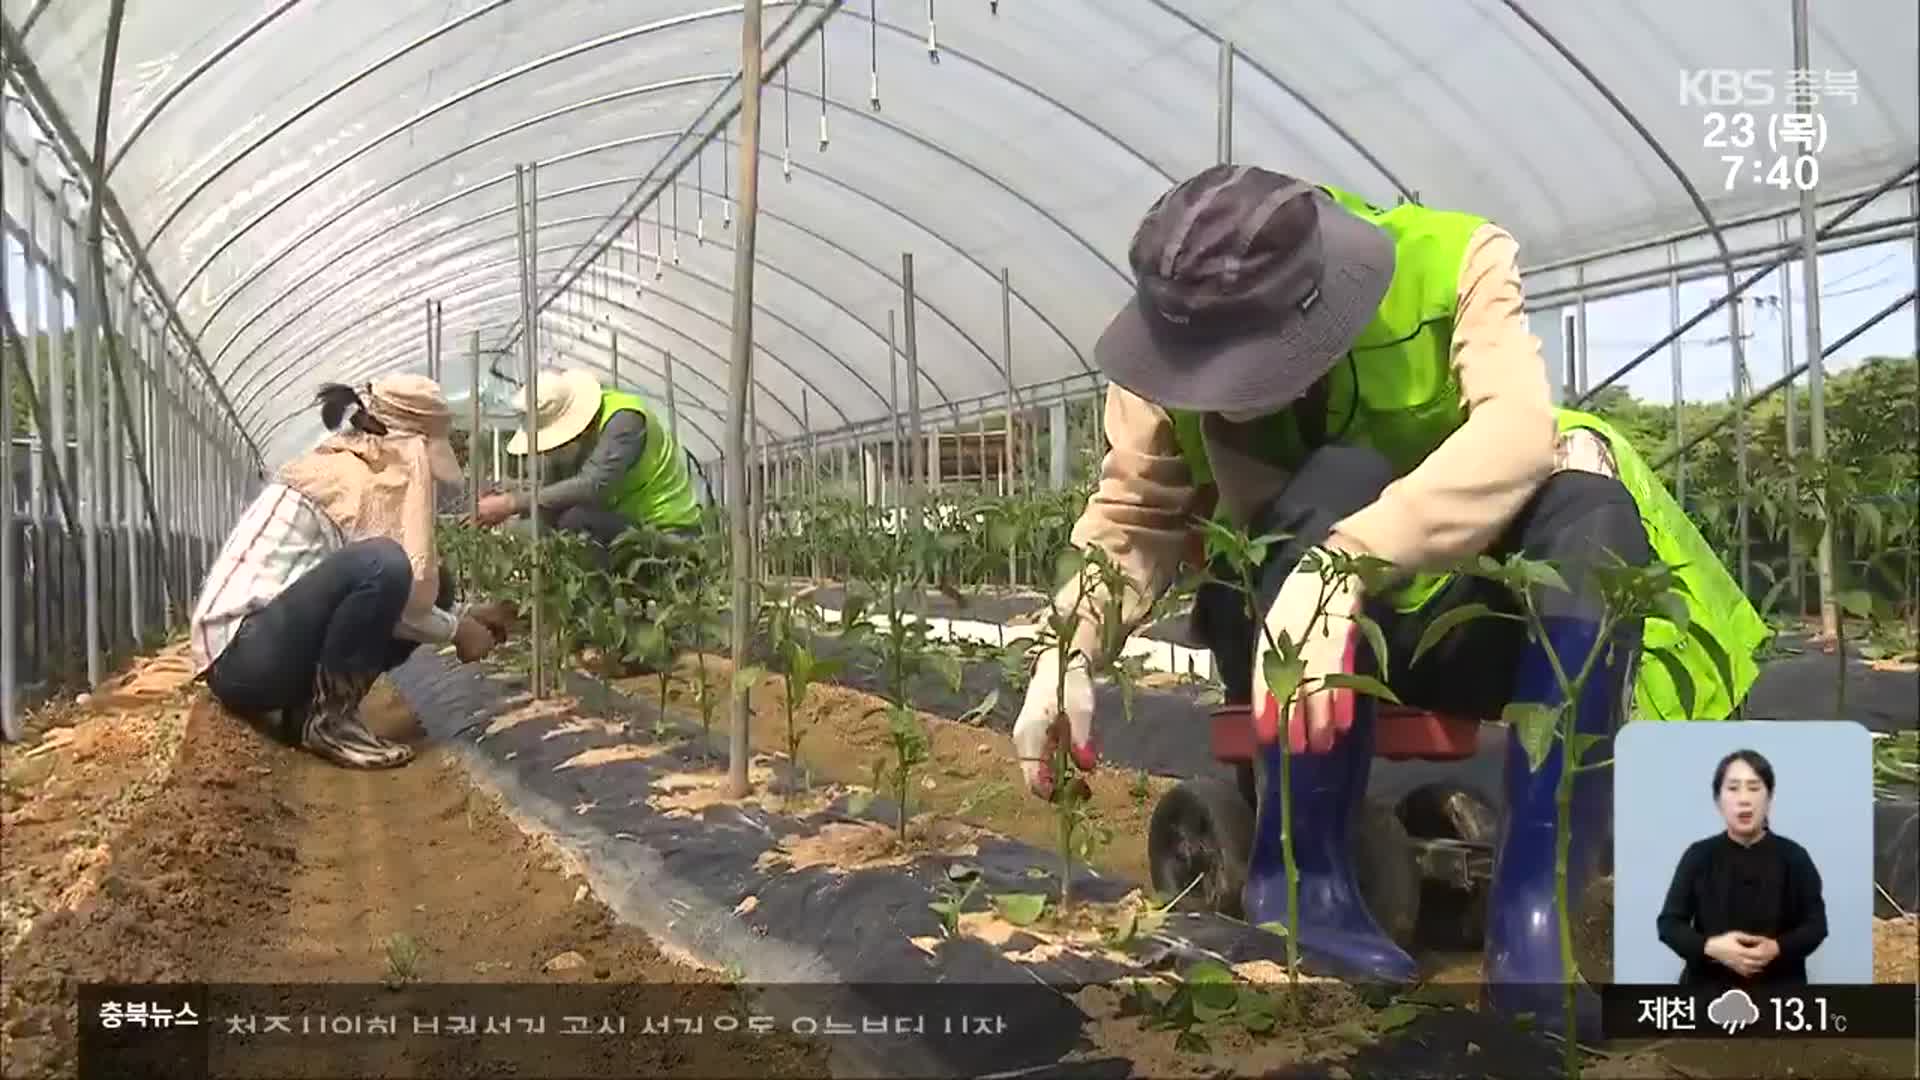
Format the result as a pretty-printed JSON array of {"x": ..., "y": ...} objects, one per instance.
[{"x": 960, "y": 537}]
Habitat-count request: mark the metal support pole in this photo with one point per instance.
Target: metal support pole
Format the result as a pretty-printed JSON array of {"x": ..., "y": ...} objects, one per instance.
[
  {"x": 1577, "y": 369},
  {"x": 673, "y": 408},
  {"x": 740, "y": 382},
  {"x": 893, "y": 403},
  {"x": 1679, "y": 380},
  {"x": 10, "y": 728},
  {"x": 1006, "y": 357},
  {"x": 613, "y": 356},
  {"x": 1816, "y": 364},
  {"x": 522, "y": 183},
  {"x": 1797, "y": 589},
  {"x": 1224, "y": 105},
  {"x": 914, "y": 448},
  {"x": 1057, "y": 439},
  {"x": 86, "y": 437},
  {"x": 473, "y": 432}
]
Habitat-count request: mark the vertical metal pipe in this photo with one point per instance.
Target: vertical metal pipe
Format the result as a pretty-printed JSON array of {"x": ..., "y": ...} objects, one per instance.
[
  {"x": 473, "y": 431},
  {"x": 58, "y": 399},
  {"x": 439, "y": 341},
  {"x": 86, "y": 404},
  {"x": 1816, "y": 362},
  {"x": 740, "y": 379},
  {"x": 530, "y": 471},
  {"x": 1679, "y": 378},
  {"x": 1793, "y": 436},
  {"x": 10, "y": 729},
  {"x": 613, "y": 356},
  {"x": 1006, "y": 357},
  {"x": 1223, "y": 105},
  {"x": 36, "y": 374},
  {"x": 893, "y": 403},
  {"x": 1569, "y": 359},
  {"x": 673, "y": 406},
  {"x": 914, "y": 448}
]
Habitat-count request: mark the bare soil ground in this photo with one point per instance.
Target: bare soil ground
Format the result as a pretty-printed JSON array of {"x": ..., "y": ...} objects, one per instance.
[{"x": 151, "y": 837}]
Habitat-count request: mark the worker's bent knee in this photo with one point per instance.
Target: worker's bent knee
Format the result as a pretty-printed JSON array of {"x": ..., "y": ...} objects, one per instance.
[
  {"x": 382, "y": 560},
  {"x": 1582, "y": 514}
]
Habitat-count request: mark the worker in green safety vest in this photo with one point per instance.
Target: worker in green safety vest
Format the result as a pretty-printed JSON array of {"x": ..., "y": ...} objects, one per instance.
[
  {"x": 1297, "y": 361},
  {"x": 608, "y": 465}
]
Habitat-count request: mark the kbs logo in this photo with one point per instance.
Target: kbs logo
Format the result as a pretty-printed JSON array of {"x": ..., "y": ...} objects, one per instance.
[{"x": 1728, "y": 87}]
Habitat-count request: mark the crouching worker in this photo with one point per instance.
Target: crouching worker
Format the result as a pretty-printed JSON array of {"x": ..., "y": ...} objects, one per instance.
[
  {"x": 608, "y": 465},
  {"x": 330, "y": 578},
  {"x": 1296, "y": 361}
]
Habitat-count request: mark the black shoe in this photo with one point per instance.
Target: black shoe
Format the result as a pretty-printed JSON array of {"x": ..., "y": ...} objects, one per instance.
[{"x": 333, "y": 729}]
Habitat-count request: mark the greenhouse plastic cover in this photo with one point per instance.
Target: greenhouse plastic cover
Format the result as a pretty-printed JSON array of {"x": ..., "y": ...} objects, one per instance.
[{"x": 307, "y": 175}]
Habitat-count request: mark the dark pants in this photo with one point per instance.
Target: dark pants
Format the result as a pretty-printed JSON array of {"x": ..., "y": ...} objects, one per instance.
[
  {"x": 605, "y": 527},
  {"x": 1572, "y": 519},
  {"x": 338, "y": 617}
]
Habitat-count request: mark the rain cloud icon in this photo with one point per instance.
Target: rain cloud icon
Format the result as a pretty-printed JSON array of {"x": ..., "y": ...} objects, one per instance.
[{"x": 1733, "y": 1010}]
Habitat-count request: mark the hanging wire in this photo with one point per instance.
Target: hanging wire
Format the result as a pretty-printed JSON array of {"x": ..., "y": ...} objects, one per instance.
[
  {"x": 639, "y": 283},
  {"x": 823, "y": 91},
  {"x": 659, "y": 238},
  {"x": 873, "y": 55},
  {"x": 676, "y": 221},
  {"x": 700, "y": 197},
  {"x": 726, "y": 185},
  {"x": 933, "y": 38},
  {"x": 786, "y": 119}
]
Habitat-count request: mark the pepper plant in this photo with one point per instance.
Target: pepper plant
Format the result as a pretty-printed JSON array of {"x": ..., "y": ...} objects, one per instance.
[
  {"x": 1626, "y": 594},
  {"x": 1245, "y": 558}
]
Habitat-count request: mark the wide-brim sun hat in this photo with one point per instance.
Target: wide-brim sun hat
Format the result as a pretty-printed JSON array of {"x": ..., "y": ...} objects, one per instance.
[
  {"x": 416, "y": 405},
  {"x": 569, "y": 402},
  {"x": 1250, "y": 286}
]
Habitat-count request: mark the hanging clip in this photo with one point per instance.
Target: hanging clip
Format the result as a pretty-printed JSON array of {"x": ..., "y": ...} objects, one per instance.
[
  {"x": 933, "y": 43},
  {"x": 786, "y": 163},
  {"x": 873, "y": 90},
  {"x": 726, "y": 214},
  {"x": 700, "y": 231},
  {"x": 993, "y": 6},
  {"x": 823, "y": 131}
]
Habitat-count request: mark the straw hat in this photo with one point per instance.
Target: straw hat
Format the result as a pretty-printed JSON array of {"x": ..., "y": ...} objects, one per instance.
[
  {"x": 569, "y": 403},
  {"x": 415, "y": 405}
]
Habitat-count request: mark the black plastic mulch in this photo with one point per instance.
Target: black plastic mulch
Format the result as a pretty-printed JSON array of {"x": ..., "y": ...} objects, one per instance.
[{"x": 683, "y": 879}]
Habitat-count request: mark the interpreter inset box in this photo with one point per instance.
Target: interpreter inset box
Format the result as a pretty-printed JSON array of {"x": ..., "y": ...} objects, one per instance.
[{"x": 1743, "y": 854}]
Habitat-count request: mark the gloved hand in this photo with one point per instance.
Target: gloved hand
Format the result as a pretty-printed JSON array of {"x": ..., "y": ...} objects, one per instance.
[
  {"x": 1041, "y": 724},
  {"x": 1326, "y": 646}
]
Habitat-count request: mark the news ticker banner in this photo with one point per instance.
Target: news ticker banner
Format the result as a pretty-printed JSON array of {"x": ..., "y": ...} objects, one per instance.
[
  {"x": 205, "y": 1031},
  {"x": 201, "y": 1031}
]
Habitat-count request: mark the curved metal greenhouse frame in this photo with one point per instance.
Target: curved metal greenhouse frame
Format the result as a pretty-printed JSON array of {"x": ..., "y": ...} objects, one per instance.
[{"x": 279, "y": 188}]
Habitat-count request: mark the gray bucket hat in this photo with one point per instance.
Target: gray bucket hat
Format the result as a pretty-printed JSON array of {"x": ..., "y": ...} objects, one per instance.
[{"x": 1249, "y": 286}]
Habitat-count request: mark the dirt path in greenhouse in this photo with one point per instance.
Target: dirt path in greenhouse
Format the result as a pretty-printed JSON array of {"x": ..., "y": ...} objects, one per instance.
[{"x": 151, "y": 837}]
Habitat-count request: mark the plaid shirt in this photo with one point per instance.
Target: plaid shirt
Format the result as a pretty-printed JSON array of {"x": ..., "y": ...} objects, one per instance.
[{"x": 280, "y": 537}]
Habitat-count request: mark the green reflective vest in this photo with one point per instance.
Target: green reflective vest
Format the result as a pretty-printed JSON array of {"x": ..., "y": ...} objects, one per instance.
[
  {"x": 657, "y": 489},
  {"x": 1395, "y": 393}
]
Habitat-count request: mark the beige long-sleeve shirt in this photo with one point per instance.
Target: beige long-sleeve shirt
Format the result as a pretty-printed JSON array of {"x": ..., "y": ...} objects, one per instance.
[{"x": 1144, "y": 511}]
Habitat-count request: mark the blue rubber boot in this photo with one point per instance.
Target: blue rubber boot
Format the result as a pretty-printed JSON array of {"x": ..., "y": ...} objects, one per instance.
[
  {"x": 1524, "y": 973},
  {"x": 1338, "y": 935}
]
